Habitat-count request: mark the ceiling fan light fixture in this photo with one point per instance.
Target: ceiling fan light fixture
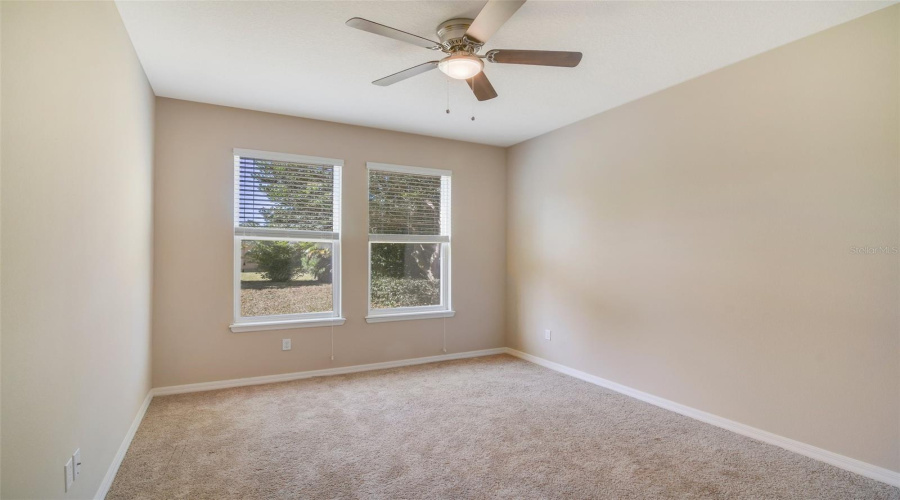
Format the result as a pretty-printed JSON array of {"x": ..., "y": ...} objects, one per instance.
[
  {"x": 461, "y": 66},
  {"x": 461, "y": 39}
]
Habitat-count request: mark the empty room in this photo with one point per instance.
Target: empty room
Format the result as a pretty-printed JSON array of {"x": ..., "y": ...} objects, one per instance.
[{"x": 465, "y": 249}]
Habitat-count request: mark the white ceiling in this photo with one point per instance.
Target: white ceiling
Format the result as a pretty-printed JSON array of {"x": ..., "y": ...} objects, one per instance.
[{"x": 298, "y": 58}]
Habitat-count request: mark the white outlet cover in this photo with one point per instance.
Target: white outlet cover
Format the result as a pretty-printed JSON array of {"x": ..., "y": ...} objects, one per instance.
[
  {"x": 546, "y": 334},
  {"x": 285, "y": 344},
  {"x": 76, "y": 462},
  {"x": 69, "y": 474}
]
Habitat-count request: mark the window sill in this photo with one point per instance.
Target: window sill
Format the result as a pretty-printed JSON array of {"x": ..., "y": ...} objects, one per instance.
[
  {"x": 409, "y": 316},
  {"x": 284, "y": 325}
]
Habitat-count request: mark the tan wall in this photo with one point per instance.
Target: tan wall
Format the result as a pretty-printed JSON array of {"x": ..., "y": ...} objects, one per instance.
[
  {"x": 194, "y": 234},
  {"x": 77, "y": 145},
  {"x": 696, "y": 244}
]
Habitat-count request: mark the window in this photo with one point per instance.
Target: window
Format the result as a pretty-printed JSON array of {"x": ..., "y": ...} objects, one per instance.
[
  {"x": 409, "y": 243},
  {"x": 287, "y": 246}
]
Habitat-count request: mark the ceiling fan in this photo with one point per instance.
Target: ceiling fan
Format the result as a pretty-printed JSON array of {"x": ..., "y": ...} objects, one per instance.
[{"x": 461, "y": 40}]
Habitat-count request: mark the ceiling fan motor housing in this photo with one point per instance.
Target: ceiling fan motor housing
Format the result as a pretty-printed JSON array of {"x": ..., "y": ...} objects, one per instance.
[{"x": 452, "y": 34}]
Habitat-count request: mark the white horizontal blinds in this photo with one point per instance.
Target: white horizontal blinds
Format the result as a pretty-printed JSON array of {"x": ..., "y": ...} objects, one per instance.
[
  {"x": 276, "y": 196},
  {"x": 408, "y": 207}
]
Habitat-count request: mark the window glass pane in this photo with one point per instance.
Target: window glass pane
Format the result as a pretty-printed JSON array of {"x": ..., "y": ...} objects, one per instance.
[
  {"x": 285, "y": 277},
  {"x": 288, "y": 195},
  {"x": 406, "y": 275},
  {"x": 404, "y": 203}
]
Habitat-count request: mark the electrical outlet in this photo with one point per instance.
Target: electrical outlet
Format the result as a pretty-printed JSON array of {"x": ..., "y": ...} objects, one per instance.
[
  {"x": 285, "y": 344},
  {"x": 76, "y": 463},
  {"x": 546, "y": 334},
  {"x": 69, "y": 474}
]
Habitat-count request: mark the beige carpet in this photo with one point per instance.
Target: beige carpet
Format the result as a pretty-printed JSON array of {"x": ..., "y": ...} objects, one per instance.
[{"x": 494, "y": 427}]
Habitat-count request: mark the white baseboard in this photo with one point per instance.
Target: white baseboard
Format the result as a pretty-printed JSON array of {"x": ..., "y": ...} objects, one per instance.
[
  {"x": 268, "y": 379},
  {"x": 850, "y": 464},
  {"x": 123, "y": 448}
]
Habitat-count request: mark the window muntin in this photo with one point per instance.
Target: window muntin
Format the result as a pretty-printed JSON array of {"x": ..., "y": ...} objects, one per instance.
[
  {"x": 287, "y": 237},
  {"x": 409, "y": 240}
]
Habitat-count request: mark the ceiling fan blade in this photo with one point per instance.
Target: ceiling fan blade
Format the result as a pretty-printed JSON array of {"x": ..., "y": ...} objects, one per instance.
[
  {"x": 491, "y": 18},
  {"x": 380, "y": 29},
  {"x": 406, "y": 73},
  {"x": 534, "y": 57},
  {"x": 482, "y": 87}
]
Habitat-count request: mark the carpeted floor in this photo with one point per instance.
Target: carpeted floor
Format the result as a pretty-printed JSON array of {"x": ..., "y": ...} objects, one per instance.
[{"x": 493, "y": 427}]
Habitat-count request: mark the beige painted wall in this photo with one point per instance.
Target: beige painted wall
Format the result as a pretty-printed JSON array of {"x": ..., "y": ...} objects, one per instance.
[
  {"x": 77, "y": 145},
  {"x": 194, "y": 233},
  {"x": 696, "y": 244}
]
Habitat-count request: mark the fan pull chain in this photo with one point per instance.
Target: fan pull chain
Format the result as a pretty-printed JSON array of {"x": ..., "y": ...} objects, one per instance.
[{"x": 448, "y": 96}]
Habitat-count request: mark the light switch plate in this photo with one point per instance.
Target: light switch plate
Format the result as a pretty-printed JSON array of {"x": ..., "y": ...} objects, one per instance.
[
  {"x": 76, "y": 463},
  {"x": 546, "y": 334},
  {"x": 285, "y": 344}
]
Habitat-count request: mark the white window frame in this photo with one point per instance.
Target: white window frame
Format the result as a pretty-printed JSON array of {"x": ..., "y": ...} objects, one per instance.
[
  {"x": 298, "y": 320},
  {"x": 442, "y": 310}
]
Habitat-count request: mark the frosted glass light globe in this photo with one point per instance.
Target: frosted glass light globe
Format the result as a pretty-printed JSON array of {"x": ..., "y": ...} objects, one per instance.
[{"x": 461, "y": 66}]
